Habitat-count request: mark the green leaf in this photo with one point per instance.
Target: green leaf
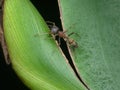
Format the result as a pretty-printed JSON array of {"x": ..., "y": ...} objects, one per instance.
[
  {"x": 34, "y": 54},
  {"x": 97, "y": 57}
]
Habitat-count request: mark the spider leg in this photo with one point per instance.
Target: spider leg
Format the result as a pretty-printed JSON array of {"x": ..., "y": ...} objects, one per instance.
[
  {"x": 59, "y": 42},
  {"x": 71, "y": 33},
  {"x": 49, "y": 22}
]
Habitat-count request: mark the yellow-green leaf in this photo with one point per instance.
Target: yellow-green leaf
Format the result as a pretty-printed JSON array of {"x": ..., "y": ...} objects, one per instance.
[{"x": 34, "y": 55}]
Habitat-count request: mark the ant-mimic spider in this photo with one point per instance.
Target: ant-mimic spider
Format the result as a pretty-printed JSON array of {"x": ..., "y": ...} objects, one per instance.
[{"x": 61, "y": 34}]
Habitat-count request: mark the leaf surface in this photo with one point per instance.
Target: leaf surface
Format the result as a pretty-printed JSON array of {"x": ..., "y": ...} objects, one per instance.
[
  {"x": 34, "y": 55},
  {"x": 97, "y": 57}
]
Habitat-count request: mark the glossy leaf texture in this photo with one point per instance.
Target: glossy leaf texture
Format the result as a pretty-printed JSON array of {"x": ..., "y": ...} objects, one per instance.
[
  {"x": 97, "y": 27},
  {"x": 34, "y": 54}
]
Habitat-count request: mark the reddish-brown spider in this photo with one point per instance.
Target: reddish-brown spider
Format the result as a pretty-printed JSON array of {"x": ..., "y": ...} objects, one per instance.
[{"x": 61, "y": 34}]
